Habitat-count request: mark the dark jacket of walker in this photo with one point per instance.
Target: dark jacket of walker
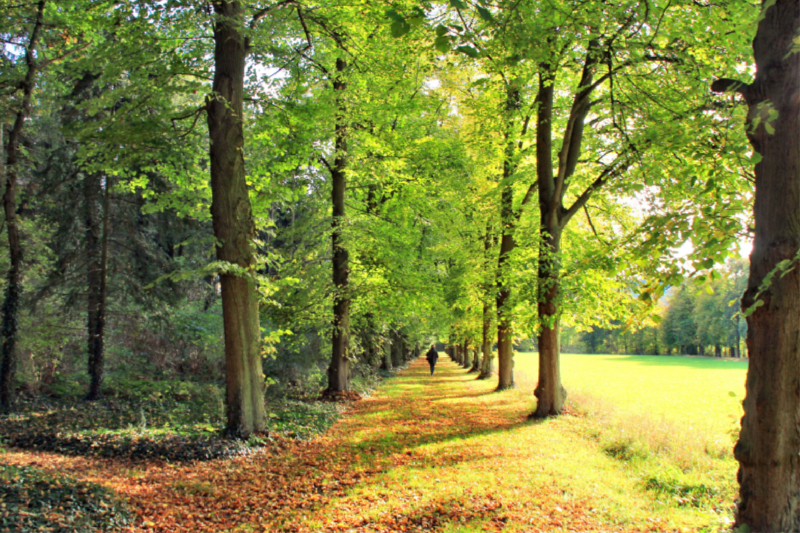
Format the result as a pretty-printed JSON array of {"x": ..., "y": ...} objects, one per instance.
[{"x": 432, "y": 356}]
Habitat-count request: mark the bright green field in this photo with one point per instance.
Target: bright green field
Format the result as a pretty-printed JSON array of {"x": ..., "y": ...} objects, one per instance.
[
  {"x": 696, "y": 393},
  {"x": 672, "y": 420}
]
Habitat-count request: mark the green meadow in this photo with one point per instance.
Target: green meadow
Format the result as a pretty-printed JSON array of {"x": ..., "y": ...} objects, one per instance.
[
  {"x": 700, "y": 394},
  {"x": 673, "y": 420}
]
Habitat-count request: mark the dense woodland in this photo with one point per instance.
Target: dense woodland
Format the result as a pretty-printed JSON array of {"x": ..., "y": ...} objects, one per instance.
[{"x": 261, "y": 197}]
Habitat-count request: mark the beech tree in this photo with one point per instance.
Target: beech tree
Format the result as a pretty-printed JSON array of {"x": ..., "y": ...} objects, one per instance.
[
  {"x": 769, "y": 444},
  {"x": 234, "y": 227}
]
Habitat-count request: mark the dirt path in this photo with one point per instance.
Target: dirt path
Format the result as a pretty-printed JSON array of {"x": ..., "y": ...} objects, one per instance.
[{"x": 425, "y": 453}]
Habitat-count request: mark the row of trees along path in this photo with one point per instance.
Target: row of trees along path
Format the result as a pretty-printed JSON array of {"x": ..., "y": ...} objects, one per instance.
[{"x": 425, "y": 453}]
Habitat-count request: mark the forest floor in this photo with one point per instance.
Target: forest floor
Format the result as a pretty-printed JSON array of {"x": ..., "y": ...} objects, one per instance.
[{"x": 424, "y": 453}]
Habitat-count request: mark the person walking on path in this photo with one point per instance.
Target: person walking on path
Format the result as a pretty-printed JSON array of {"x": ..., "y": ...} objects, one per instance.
[{"x": 432, "y": 356}]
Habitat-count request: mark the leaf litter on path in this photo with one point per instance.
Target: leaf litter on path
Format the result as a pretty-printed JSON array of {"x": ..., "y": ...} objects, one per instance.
[{"x": 425, "y": 453}]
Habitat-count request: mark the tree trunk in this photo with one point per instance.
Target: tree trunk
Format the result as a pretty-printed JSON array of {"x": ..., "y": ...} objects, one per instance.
[
  {"x": 549, "y": 392},
  {"x": 476, "y": 360},
  {"x": 487, "y": 364},
  {"x": 96, "y": 266},
  {"x": 768, "y": 449},
  {"x": 467, "y": 360},
  {"x": 11, "y": 301},
  {"x": 234, "y": 228},
  {"x": 505, "y": 354},
  {"x": 387, "y": 355},
  {"x": 397, "y": 350},
  {"x": 339, "y": 371}
]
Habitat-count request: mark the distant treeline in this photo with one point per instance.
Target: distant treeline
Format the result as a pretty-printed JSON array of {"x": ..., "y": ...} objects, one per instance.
[{"x": 701, "y": 317}]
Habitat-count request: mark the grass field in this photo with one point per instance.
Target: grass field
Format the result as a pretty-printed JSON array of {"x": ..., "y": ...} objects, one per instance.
[
  {"x": 698, "y": 394},
  {"x": 674, "y": 420}
]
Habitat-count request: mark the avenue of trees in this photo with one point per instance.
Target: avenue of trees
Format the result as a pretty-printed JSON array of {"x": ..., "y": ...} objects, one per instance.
[{"x": 290, "y": 193}]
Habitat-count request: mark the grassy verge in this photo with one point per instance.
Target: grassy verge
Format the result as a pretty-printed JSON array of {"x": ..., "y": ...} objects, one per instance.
[{"x": 671, "y": 421}]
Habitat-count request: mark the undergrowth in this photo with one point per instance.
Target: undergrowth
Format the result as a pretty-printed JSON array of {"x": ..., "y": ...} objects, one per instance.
[
  {"x": 32, "y": 501},
  {"x": 169, "y": 420}
]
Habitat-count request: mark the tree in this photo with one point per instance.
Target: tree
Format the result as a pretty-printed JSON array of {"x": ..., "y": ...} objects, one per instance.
[
  {"x": 10, "y": 168},
  {"x": 769, "y": 443},
  {"x": 234, "y": 227}
]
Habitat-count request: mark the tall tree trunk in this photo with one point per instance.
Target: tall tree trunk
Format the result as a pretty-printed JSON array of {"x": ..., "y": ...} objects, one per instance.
[
  {"x": 96, "y": 257},
  {"x": 476, "y": 360},
  {"x": 487, "y": 364},
  {"x": 339, "y": 369},
  {"x": 467, "y": 361},
  {"x": 234, "y": 227},
  {"x": 768, "y": 449},
  {"x": 549, "y": 392},
  {"x": 505, "y": 354},
  {"x": 397, "y": 350},
  {"x": 508, "y": 219},
  {"x": 387, "y": 355},
  {"x": 11, "y": 301}
]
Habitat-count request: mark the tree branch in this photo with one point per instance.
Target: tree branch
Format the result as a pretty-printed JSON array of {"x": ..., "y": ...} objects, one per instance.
[
  {"x": 325, "y": 162},
  {"x": 728, "y": 85},
  {"x": 591, "y": 225},
  {"x": 619, "y": 166},
  {"x": 258, "y": 15}
]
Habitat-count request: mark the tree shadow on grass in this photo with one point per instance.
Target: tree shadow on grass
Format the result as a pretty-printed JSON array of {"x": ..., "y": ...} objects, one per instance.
[{"x": 441, "y": 411}]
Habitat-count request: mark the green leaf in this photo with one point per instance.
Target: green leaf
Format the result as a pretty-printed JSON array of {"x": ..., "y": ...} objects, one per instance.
[
  {"x": 400, "y": 28},
  {"x": 394, "y": 15},
  {"x": 485, "y": 14},
  {"x": 442, "y": 44},
  {"x": 458, "y": 4},
  {"x": 468, "y": 50},
  {"x": 750, "y": 310},
  {"x": 441, "y": 30}
]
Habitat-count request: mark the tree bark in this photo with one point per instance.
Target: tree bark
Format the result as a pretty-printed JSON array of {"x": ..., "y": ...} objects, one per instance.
[
  {"x": 476, "y": 360},
  {"x": 96, "y": 260},
  {"x": 234, "y": 227},
  {"x": 487, "y": 363},
  {"x": 339, "y": 369},
  {"x": 466, "y": 363},
  {"x": 554, "y": 218},
  {"x": 387, "y": 355},
  {"x": 508, "y": 219},
  {"x": 11, "y": 301},
  {"x": 505, "y": 333},
  {"x": 397, "y": 350},
  {"x": 549, "y": 392},
  {"x": 768, "y": 450}
]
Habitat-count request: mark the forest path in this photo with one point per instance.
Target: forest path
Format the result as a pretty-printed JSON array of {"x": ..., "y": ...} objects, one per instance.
[{"x": 425, "y": 453}]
